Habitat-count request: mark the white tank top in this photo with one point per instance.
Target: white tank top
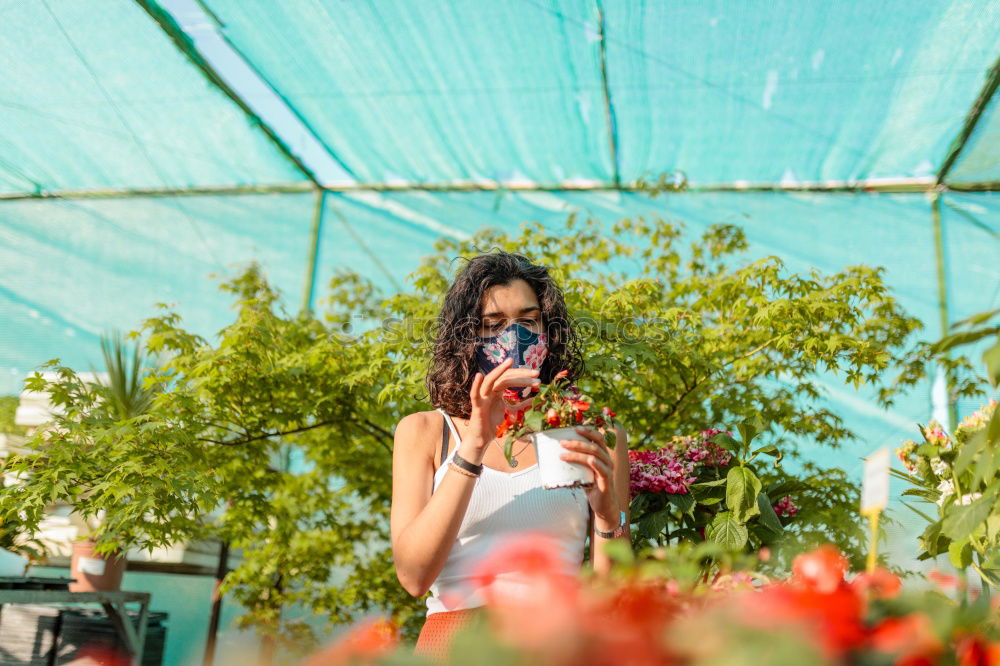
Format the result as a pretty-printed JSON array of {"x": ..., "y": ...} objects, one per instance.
[{"x": 505, "y": 504}]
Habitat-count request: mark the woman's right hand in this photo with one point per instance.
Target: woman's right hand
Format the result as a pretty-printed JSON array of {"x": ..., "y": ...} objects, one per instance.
[{"x": 484, "y": 395}]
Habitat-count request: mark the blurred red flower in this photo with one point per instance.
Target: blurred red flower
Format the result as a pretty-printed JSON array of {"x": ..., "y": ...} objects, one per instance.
[
  {"x": 822, "y": 569},
  {"x": 881, "y": 584},
  {"x": 363, "y": 644}
]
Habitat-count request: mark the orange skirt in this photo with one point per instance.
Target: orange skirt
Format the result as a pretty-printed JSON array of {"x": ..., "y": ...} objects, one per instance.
[{"x": 438, "y": 629}]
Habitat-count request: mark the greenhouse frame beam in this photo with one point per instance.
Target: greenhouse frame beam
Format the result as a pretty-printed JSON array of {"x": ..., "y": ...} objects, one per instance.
[
  {"x": 611, "y": 121},
  {"x": 975, "y": 113},
  {"x": 888, "y": 186},
  {"x": 315, "y": 232},
  {"x": 186, "y": 46}
]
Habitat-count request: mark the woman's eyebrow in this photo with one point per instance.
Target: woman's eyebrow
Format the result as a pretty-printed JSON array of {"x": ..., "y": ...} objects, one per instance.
[{"x": 530, "y": 308}]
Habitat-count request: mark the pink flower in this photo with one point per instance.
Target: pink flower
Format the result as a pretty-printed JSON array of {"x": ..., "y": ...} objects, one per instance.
[{"x": 785, "y": 507}]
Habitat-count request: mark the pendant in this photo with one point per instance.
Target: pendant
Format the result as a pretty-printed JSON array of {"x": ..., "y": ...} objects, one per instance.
[{"x": 513, "y": 462}]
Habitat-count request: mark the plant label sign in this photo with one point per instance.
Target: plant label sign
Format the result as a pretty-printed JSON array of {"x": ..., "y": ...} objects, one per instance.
[
  {"x": 875, "y": 488},
  {"x": 92, "y": 566}
]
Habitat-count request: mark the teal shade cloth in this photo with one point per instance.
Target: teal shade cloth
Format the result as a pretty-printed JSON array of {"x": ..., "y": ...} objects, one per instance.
[{"x": 94, "y": 95}]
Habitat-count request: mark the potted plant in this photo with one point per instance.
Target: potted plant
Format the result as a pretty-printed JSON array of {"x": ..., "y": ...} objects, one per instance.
[
  {"x": 550, "y": 419},
  {"x": 63, "y": 460},
  {"x": 122, "y": 395}
]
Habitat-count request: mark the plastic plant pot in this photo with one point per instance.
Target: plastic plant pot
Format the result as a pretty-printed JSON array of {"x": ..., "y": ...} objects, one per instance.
[
  {"x": 93, "y": 572},
  {"x": 555, "y": 472}
]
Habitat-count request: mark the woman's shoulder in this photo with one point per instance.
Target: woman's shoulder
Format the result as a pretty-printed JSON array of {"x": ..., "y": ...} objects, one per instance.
[{"x": 419, "y": 430}]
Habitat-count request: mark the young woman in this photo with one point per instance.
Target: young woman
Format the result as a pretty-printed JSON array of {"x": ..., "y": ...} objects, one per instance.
[{"x": 453, "y": 493}]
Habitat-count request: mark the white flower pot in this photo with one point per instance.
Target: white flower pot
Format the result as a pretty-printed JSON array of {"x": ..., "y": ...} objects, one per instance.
[{"x": 555, "y": 472}]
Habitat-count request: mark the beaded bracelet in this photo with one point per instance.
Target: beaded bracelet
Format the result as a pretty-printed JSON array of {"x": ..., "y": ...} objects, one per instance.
[{"x": 461, "y": 471}]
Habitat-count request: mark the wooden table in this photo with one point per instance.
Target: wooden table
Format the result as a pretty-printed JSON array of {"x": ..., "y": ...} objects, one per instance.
[{"x": 113, "y": 603}]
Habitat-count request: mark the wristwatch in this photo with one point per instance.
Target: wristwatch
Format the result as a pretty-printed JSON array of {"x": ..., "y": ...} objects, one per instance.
[{"x": 615, "y": 533}]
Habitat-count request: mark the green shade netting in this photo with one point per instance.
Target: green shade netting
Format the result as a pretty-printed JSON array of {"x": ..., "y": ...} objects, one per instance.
[
  {"x": 510, "y": 91},
  {"x": 97, "y": 96},
  {"x": 979, "y": 161},
  {"x": 788, "y": 90},
  {"x": 72, "y": 269},
  {"x": 468, "y": 90}
]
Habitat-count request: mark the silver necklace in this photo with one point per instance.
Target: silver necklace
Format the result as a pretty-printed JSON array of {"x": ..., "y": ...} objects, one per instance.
[{"x": 513, "y": 456}]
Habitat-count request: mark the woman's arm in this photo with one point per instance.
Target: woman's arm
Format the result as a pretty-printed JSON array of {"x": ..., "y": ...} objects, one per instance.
[
  {"x": 423, "y": 524},
  {"x": 601, "y": 562}
]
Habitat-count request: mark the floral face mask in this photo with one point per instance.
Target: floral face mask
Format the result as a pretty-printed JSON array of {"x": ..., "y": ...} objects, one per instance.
[{"x": 527, "y": 348}]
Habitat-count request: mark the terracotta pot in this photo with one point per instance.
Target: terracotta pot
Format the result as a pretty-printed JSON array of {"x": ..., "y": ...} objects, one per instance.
[
  {"x": 93, "y": 572},
  {"x": 555, "y": 472}
]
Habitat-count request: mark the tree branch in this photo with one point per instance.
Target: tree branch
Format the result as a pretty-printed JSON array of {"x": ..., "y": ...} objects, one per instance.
[{"x": 266, "y": 435}]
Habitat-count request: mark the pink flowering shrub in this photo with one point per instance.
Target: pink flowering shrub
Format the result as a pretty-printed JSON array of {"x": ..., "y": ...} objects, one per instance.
[
  {"x": 708, "y": 487},
  {"x": 675, "y": 467}
]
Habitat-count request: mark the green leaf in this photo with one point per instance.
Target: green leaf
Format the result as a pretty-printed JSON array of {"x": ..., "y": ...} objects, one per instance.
[
  {"x": 991, "y": 357},
  {"x": 961, "y": 521},
  {"x": 684, "y": 503},
  {"x": 963, "y": 338},
  {"x": 960, "y": 554},
  {"x": 768, "y": 517},
  {"x": 930, "y": 540},
  {"x": 750, "y": 429},
  {"x": 534, "y": 420},
  {"x": 771, "y": 450},
  {"x": 742, "y": 487},
  {"x": 993, "y": 429},
  {"x": 652, "y": 524},
  {"x": 726, "y": 442},
  {"x": 993, "y": 528},
  {"x": 967, "y": 454},
  {"x": 619, "y": 551},
  {"x": 727, "y": 532}
]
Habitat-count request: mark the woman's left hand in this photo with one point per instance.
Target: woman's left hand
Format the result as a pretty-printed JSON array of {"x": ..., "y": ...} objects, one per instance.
[{"x": 593, "y": 452}]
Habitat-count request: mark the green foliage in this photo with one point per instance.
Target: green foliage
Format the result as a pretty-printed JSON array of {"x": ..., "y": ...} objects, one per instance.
[
  {"x": 124, "y": 394},
  {"x": 957, "y": 479},
  {"x": 277, "y": 435},
  {"x": 959, "y": 474},
  {"x": 8, "y": 407}
]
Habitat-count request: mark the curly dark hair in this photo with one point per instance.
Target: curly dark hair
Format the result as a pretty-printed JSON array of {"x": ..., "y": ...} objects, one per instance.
[{"x": 453, "y": 365}]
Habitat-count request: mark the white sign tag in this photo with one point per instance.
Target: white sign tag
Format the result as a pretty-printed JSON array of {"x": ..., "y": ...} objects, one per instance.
[
  {"x": 875, "y": 489},
  {"x": 89, "y": 565}
]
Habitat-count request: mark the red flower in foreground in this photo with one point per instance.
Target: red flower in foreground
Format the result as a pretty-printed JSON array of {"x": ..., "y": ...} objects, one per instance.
[
  {"x": 975, "y": 651},
  {"x": 361, "y": 645},
  {"x": 881, "y": 584},
  {"x": 822, "y": 569},
  {"x": 909, "y": 636},
  {"x": 561, "y": 374},
  {"x": 833, "y": 617},
  {"x": 525, "y": 577}
]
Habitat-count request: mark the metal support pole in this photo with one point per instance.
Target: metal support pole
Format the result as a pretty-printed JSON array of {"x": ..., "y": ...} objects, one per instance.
[
  {"x": 314, "y": 236},
  {"x": 942, "y": 289},
  {"x": 213, "y": 622},
  {"x": 609, "y": 109}
]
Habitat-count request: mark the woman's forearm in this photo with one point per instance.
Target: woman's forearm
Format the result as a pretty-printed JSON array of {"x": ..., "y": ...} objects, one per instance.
[{"x": 422, "y": 547}]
